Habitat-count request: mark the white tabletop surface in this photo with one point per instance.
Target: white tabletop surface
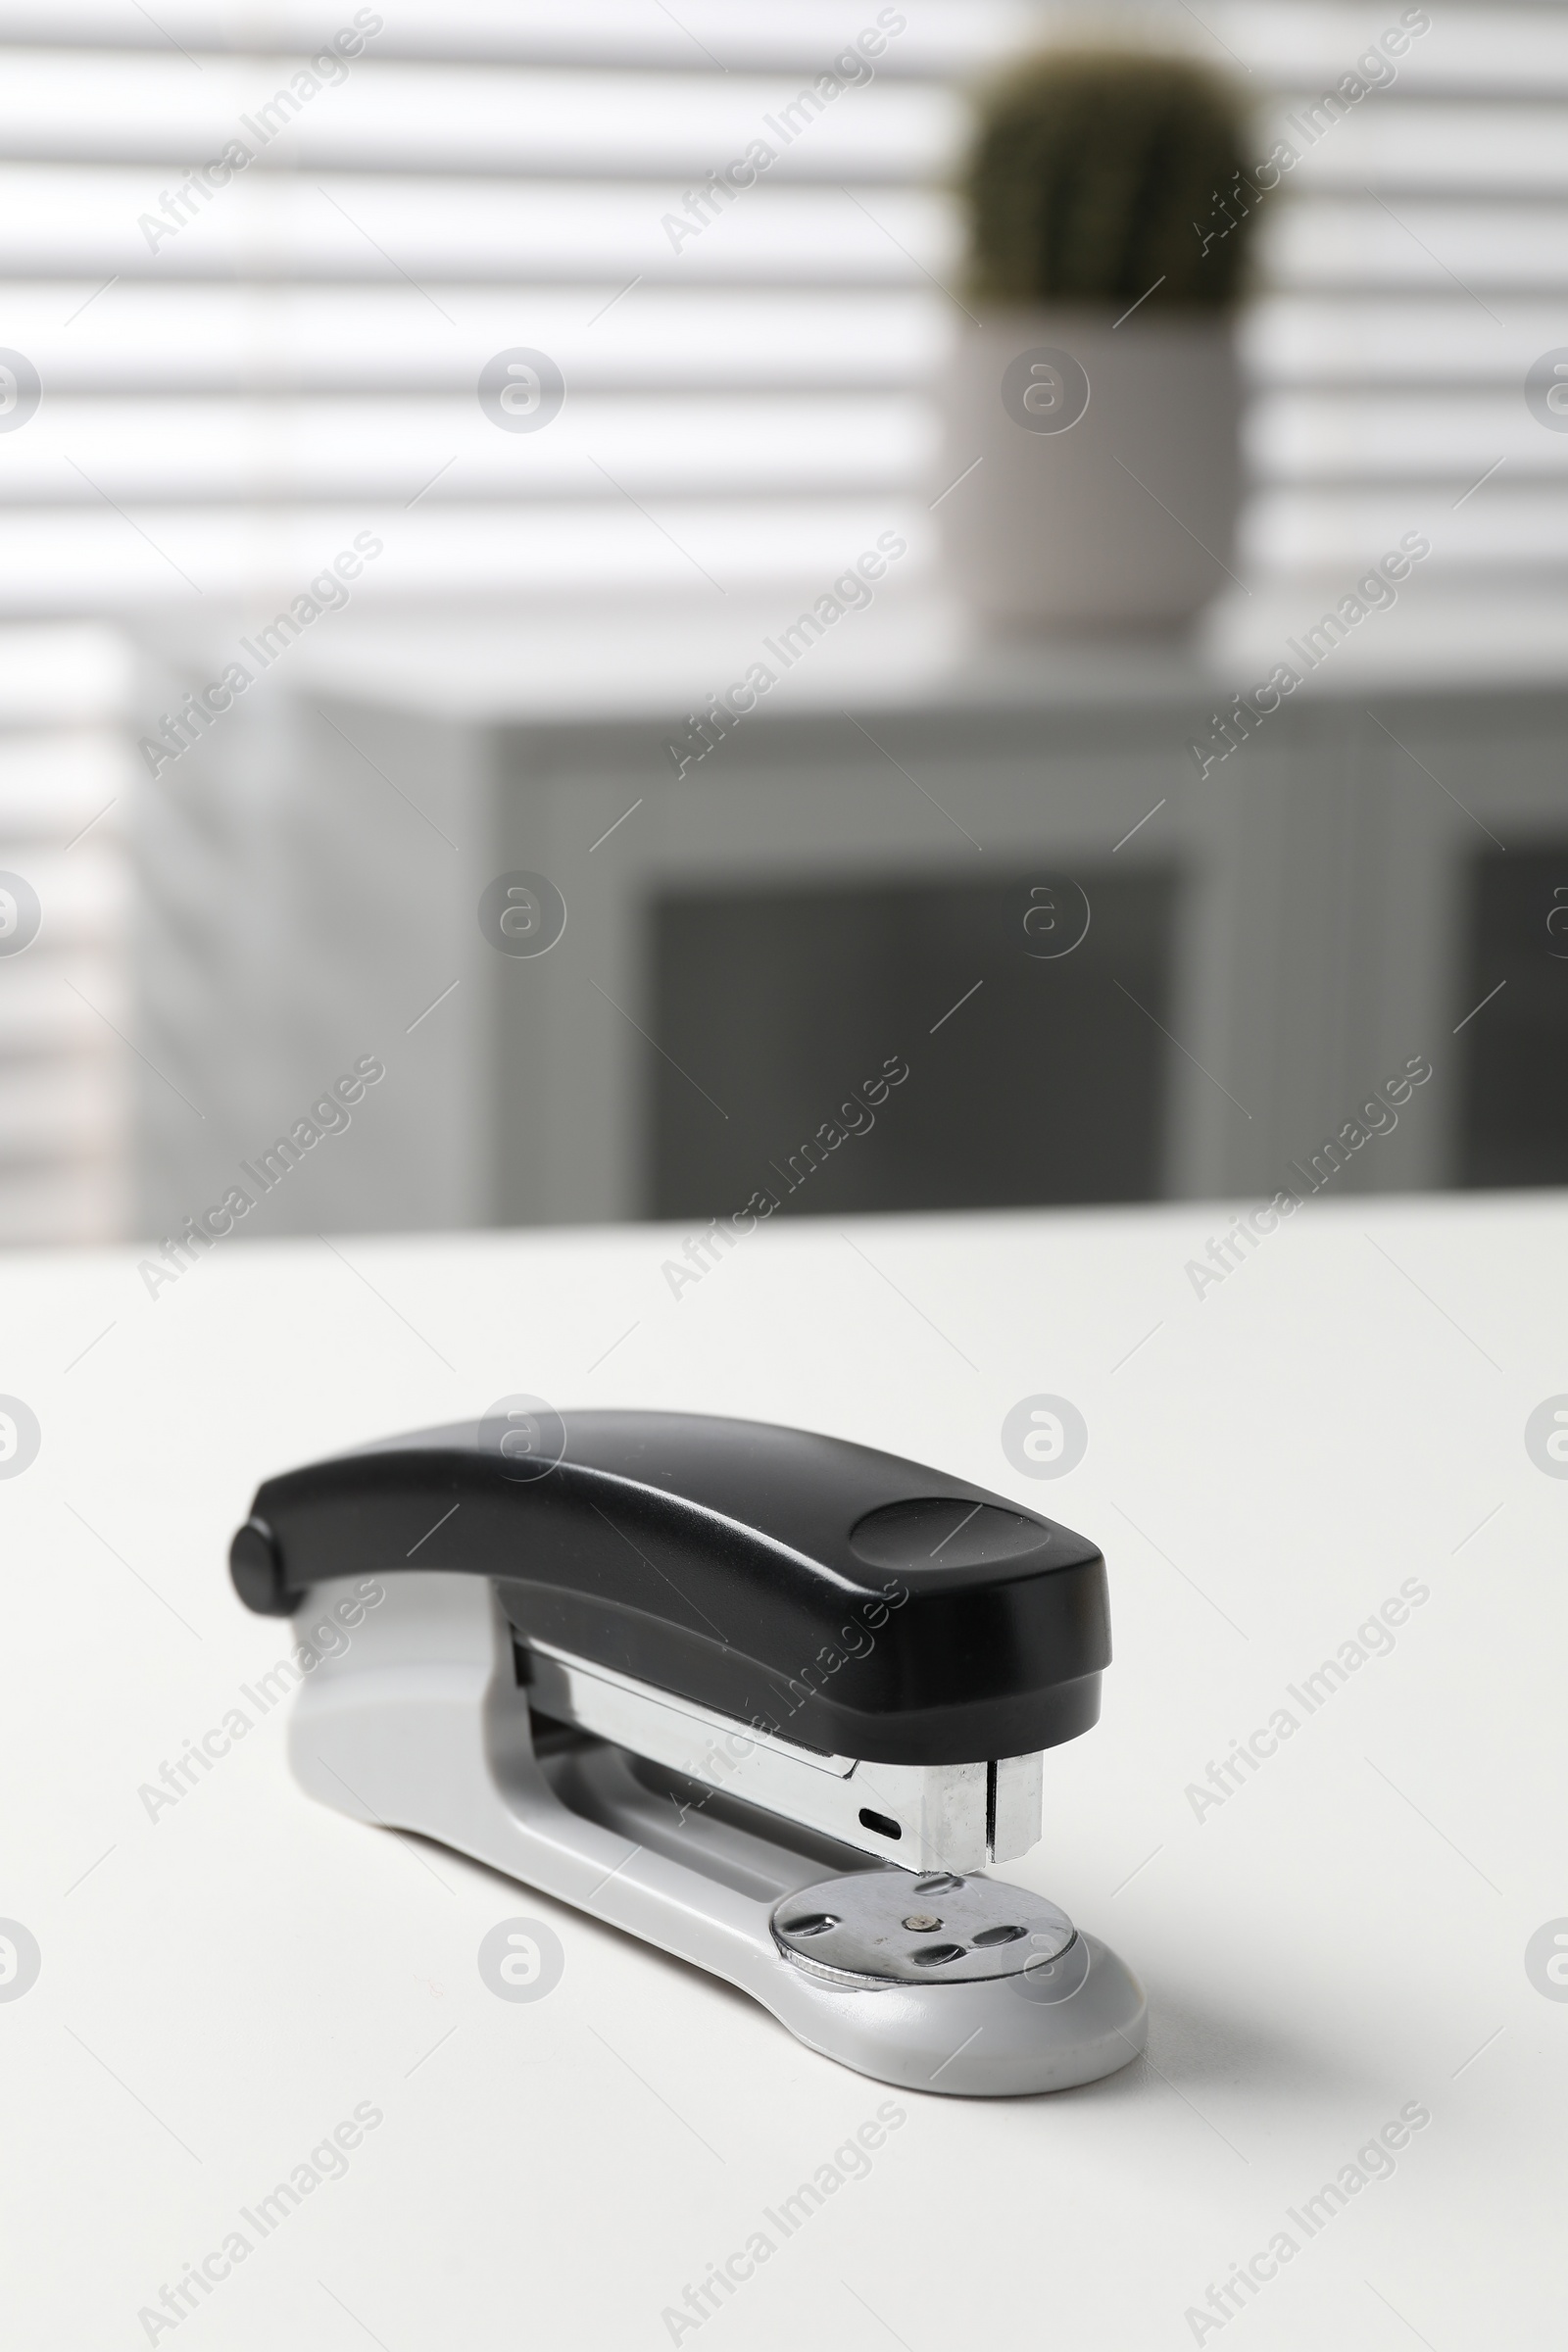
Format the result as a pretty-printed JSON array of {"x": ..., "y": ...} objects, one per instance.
[{"x": 1345, "y": 1937}]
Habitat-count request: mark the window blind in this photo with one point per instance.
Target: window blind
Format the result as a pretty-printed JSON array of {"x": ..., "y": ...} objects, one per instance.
[
  {"x": 65, "y": 786},
  {"x": 238, "y": 371}
]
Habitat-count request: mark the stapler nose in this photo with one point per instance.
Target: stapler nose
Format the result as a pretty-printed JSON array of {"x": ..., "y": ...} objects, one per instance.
[{"x": 773, "y": 1700}]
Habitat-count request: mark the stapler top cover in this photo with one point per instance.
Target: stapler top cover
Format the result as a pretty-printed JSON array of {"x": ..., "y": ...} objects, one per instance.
[{"x": 884, "y": 1610}]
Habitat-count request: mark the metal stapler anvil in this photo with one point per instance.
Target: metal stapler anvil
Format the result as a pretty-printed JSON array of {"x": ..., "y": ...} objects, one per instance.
[{"x": 772, "y": 1702}]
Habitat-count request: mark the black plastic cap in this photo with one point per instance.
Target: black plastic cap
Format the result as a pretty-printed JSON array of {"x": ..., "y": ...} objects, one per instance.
[
  {"x": 848, "y": 1601},
  {"x": 258, "y": 1572}
]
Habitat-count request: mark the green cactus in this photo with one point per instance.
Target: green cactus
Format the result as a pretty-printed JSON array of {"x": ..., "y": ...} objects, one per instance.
[{"x": 1097, "y": 174}]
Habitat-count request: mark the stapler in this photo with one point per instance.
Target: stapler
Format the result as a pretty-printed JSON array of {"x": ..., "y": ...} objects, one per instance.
[{"x": 772, "y": 1702}]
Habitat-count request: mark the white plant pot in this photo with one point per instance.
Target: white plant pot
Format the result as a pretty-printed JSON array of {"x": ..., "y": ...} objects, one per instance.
[{"x": 1117, "y": 511}]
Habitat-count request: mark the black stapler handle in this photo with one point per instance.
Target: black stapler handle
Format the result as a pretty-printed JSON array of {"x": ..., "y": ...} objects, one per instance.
[{"x": 886, "y": 1611}]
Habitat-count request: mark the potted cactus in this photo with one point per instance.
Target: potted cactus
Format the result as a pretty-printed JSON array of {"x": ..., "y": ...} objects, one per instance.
[{"x": 1093, "y": 399}]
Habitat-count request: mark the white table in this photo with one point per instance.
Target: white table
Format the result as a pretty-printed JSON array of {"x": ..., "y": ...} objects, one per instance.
[{"x": 1342, "y": 1936}]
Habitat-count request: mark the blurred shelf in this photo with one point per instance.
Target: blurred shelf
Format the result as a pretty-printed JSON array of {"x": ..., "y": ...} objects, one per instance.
[{"x": 574, "y": 662}]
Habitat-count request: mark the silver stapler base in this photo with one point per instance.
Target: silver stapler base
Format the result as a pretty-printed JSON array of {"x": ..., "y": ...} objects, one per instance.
[{"x": 420, "y": 1724}]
